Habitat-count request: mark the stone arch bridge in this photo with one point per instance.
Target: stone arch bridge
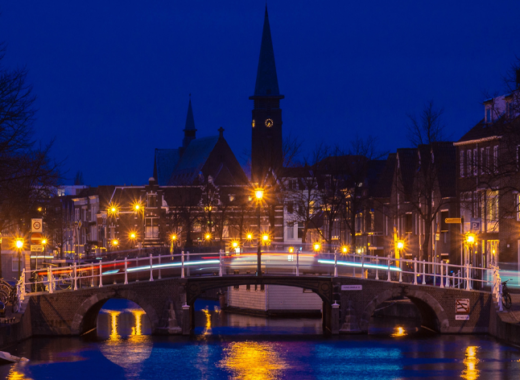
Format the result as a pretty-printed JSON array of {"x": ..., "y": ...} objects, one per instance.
[{"x": 74, "y": 312}]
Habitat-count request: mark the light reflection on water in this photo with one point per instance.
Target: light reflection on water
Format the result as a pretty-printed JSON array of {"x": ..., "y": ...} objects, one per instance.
[
  {"x": 125, "y": 353},
  {"x": 253, "y": 360}
]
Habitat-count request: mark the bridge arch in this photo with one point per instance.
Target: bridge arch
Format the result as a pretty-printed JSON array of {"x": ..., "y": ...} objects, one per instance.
[
  {"x": 432, "y": 313},
  {"x": 86, "y": 314}
]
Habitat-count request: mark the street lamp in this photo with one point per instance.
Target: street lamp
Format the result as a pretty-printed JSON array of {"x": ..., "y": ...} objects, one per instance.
[
  {"x": 344, "y": 249},
  {"x": 207, "y": 236},
  {"x": 115, "y": 243},
  {"x": 19, "y": 243},
  {"x": 317, "y": 247},
  {"x": 470, "y": 239},
  {"x": 259, "y": 195}
]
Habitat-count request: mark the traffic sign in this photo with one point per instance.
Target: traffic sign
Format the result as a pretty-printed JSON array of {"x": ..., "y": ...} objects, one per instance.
[
  {"x": 453, "y": 220},
  {"x": 36, "y": 225},
  {"x": 36, "y": 248},
  {"x": 36, "y": 238},
  {"x": 475, "y": 224}
]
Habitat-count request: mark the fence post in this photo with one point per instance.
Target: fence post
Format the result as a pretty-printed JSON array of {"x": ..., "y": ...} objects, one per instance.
[
  {"x": 51, "y": 287},
  {"x": 297, "y": 262},
  {"x": 101, "y": 273},
  {"x": 468, "y": 276},
  {"x": 126, "y": 271},
  {"x": 160, "y": 266},
  {"x": 188, "y": 259},
  {"x": 447, "y": 275},
  {"x": 151, "y": 268},
  {"x": 377, "y": 268},
  {"x": 442, "y": 274},
  {"x": 362, "y": 265},
  {"x": 75, "y": 277},
  {"x": 400, "y": 270},
  {"x": 335, "y": 263},
  {"x": 388, "y": 269},
  {"x": 424, "y": 272},
  {"x": 415, "y": 270},
  {"x": 182, "y": 264},
  {"x": 220, "y": 263},
  {"x": 353, "y": 266}
]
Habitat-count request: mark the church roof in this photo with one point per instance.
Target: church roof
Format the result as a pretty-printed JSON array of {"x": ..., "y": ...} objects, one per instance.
[
  {"x": 193, "y": 159},
  {"x": 266, "y": 78},
  {"x": 165, "y": 162}
]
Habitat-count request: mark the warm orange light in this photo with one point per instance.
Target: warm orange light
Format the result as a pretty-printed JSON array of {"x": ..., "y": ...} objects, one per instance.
[
  {"x": 265, "y": 237},
  {"x": 259, "y": 194},
  {"x": 174, "y": 237},
  {"x": 115, "y": 242},
  {"x": 112, "y": 210},
  {"x": 19, "y": 243},
  {"x": 400, "y": 244},
  {"x": 39, "y": 209},
  {"x": 44, "y": 241},
  {"x": 317, "y": 246},
  {"x": 234, "y": 244},
  {"x": 208, "y": 236},
  {"x": 344, "y": 249},
  {"x": 291, "y": 249},
  {"x": 470, "y": 238},
  {"x": 137, "y": 207},
  {"x": 249, "y": 236},
  {"x": 132, "y": 235}
]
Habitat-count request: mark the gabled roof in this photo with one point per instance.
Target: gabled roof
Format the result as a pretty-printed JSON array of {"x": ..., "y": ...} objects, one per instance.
[
  {"x": 192, "y": 161},
  {"x": 164, "y": 164},
  {"x": 266, "y": 78}
]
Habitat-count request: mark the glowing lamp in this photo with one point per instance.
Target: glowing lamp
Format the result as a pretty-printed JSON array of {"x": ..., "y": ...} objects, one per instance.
[
  {"x": 249, "y": 236},
  {"x": 132, "y": 235},
  {"x": 207, "y": 237},
  {"x": 259, "y": 194},
  {"x": 115, "y": 242},
  {"x": 400, "y": 244},
  {"x": 19, "y": 243},
  {"x": 44, "y": 241},
  {"x": 317, "y": 246},
  {"x": 291, "y": 249},
  {"x": 174, "y": 237},
  {"x": 265, "y": 237},
  {"x": 344, "y": 249},
  {"x": 234, "y": 244}
]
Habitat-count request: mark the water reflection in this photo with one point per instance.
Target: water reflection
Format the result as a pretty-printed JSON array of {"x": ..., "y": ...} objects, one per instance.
[
  {"x": 470, "y": 361},
  {"x": 253, "y": 360},
  {"x": 399, "y": 331},
  {"x": 17, "y": 373}
]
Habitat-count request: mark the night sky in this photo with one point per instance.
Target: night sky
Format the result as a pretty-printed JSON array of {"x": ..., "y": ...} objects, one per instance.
[{"x": 113, "y": 78}]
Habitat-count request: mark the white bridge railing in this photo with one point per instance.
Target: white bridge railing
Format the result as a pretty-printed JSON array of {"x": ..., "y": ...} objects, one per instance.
[{"x": 298, "y": 263}]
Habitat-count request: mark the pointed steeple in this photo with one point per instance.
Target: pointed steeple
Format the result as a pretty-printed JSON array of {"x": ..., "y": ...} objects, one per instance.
[
  {"x": 189, "y": 128},
  {"x": 266, "y": 78}
]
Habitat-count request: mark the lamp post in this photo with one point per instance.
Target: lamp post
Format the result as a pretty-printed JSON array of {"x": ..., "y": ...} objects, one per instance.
[
  {"x": 19, "y": 246},
  {"x": 259, "y": 195}
]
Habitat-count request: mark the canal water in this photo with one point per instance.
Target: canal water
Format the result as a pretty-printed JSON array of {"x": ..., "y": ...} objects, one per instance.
[{"x": 228, "y": 346}]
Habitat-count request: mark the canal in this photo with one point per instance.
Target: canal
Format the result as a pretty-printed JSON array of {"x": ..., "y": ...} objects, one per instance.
[{"x": 247, "y": 347}]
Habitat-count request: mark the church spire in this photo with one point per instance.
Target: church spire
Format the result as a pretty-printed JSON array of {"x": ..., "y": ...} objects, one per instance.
[
  {"x": 189, "y": 128},
  {"x": 266, "y": 78}
]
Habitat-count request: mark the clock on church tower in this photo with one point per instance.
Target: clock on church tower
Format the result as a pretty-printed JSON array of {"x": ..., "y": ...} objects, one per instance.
[{"x": 266, "y": 148}]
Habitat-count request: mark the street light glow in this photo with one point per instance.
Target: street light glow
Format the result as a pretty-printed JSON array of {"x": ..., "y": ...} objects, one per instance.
[
  {"x": 132, "y": 235},
  {"x": 249, "y": 236},
  {"x": 19, "y": 243},
  {"x": 344, "y": 249},
  {"x": 470, "y": 238},
  {"x": 174, "y": 237},
  {"x": 317, "y": 246},
  {"x": 44, "y": 241},
  {"x": 265, "y": 237},
  {"x": 291, "y": 249},
  {"x": 115, "y": 242},
  {"x": 208, "y": 236},
  {"x": 400, "y": 244},
  {"x": 259, "y": 194}
]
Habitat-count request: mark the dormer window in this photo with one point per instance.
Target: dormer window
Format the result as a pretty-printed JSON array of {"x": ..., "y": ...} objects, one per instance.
[{"x": 488, "y": 115}]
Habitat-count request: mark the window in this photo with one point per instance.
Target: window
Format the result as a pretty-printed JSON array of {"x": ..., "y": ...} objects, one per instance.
[
  {"x": 482, "y": 161},
  {"x": 444, "y": 225},
  {"x": 15, "y": 264},
  {"x": 290, "y": 207},
  {"x": 492, "y": 210},
  {"x": 468, "y": 163},
  {"x": 475, "y": 161},
  {"x": 495, "y": 158},
  {"x": 152, "y": 228},
  {"x": 408, "y": 225},
  {"x": 461, "y": 163},
  {"x": 290, "y": 230},
  {"x": 300, "y": 230}
]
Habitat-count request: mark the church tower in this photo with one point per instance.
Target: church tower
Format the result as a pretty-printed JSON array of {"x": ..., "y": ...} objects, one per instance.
[
  {"x": 189, "y": 128},
  {"x": 266, "y": 149}
]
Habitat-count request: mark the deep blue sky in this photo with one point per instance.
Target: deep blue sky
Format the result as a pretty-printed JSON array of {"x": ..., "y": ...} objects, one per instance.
[{"x": 113, "y": 78}]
